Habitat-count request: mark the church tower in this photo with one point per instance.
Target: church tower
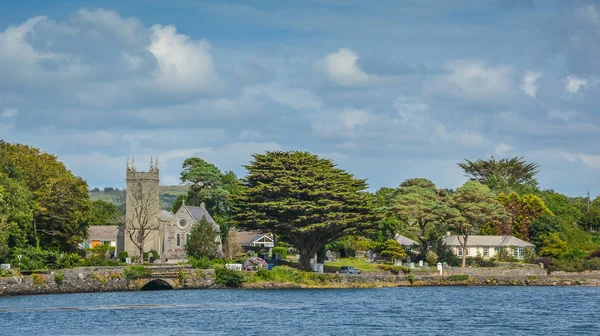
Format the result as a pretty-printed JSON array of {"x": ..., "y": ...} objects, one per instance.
[{"x": 142, "y": 205}]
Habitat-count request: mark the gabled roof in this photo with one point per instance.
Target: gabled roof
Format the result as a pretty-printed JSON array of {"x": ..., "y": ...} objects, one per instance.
[
  {"x": 165, "y": 216},
  {"x": 198, "y": 212},
  {"x": 405, "y": 241},
  {"x": 102, "y": 232},
  {"x": 505, "y": 241},
  {"x": 249, "y": 237}
]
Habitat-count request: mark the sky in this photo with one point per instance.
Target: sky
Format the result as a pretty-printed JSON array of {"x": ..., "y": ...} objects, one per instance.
[{"x": 388, "y": 90}]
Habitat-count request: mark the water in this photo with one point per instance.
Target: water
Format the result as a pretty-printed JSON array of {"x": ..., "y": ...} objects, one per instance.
[{"x": 388, "y": 311}]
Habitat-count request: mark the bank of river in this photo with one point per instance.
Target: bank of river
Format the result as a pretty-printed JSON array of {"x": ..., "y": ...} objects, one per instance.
[
  {"x": 384, "y": 311},
  {"x": 112, "y": 279}
]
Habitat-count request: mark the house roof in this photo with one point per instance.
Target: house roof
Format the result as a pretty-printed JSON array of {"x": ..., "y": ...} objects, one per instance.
[
  {"x": 103, "y": 232},
  {"x": 198, "y": 212},
  {"x": 488, "y": 241},
  {"x": 165, "y": 216},
  {"x": 249, "y": 237},
  {"x": 405, "y": 241}
]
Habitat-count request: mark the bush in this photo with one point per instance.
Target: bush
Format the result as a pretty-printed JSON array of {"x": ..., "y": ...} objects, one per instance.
[
  {"x": 136, "y": 272},
  {"x": 479, "y": 262},
  {"x": 97, "y": 260},
  {"x": 38, "y": 279},
  {"x": 123, "y": 255},
  {"x": 229, "y": 278},
  {"x": 254, "y": 264},
  {"x": 576, "y": 265},
  {"x": 431, "y": 257},
  {"x": 458, "y": 277},
  {"x": 503, "y": 255},
  {"x": 37, "y": 259},
  {"x": 5, "y": 273},
  {"x": 281, "y": 251},
  {"x": 199, "y": 263},
  {"x": 59, "y": 277},
  {"x": 411, "y": 278},
  {"x": 530, "y": 256}
]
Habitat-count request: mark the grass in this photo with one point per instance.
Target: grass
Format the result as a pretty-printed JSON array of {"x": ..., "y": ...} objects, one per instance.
[{"x": 359, "y": 264}]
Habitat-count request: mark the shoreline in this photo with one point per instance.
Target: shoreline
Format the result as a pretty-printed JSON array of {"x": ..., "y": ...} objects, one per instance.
[{"x": 113, "y": 279}]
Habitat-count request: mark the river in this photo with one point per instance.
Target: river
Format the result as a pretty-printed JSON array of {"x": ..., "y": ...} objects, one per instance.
[{"x": 385, "y": 311}]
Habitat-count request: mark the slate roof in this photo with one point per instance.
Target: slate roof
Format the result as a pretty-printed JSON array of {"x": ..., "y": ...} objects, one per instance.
[
  {"x": 505, "y": 241},
  {"x": 405, "y": 241},
  {"x": 249, "y": 237},
  {"x": 165, "y": 216},
  {"x": 199, "y": 212},
  {"x": 103, "y": 232}
]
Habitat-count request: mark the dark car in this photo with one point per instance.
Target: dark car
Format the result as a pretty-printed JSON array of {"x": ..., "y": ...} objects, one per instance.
[{"x": 349, "y": 270}]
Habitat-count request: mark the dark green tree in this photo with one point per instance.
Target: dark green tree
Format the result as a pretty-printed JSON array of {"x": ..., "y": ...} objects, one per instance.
[
  {"x": 203, "y": 242},
  {"x": 392, "y": 249},
  {"x": 304, "y": 199},
  {"x": 501, "y": 174},
  {"x": 105, "y": 213}
]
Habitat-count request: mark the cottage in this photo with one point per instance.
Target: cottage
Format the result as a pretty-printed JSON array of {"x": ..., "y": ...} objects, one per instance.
[
  {"x": 488, "y": 246},
  {"x": 101, "y": 235},
  {"x": 407, "y": 243},
  {"x": 254, "y": 239}
]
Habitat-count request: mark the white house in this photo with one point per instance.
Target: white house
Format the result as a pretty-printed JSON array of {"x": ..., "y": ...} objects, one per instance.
[
  {"x": 487, "y": 246},
  {"x": 255, "y": 239}
]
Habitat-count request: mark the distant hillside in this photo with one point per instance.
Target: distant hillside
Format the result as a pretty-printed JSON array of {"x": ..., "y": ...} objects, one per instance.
[{"x": 168, "y": 195}]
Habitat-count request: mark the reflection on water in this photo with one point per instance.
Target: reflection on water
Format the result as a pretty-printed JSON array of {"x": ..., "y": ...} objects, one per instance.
[{"x": 386, "y": 311}]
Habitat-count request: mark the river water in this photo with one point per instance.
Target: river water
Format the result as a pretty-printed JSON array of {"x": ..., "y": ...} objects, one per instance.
[{"x": 386, "y": 311}]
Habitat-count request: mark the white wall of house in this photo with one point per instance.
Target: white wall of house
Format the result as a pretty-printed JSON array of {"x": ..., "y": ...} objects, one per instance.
[{"x": 487, "y": 252}]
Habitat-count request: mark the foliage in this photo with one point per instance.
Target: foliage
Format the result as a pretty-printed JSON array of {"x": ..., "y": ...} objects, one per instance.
[
  {"x": 411, "y": 278},
  {"x": 254, "y": 264},
  {"x": 60, "y": 201},
  {"x": 16, "y": 215},
  {"x": 524, "y": 211},
  {"x": 135, "y": 272},
  {"x": 203, "y": 240},
  {"x": 503, "y": 255},
  {"x": 231, "y": 246},
  {"x": 554, "y": 246},
  {"x": 123, "y": 255},
  {"x": 59, "y": 277},
  {"x": 530, "y": 255},
  {"x": 304, "y": 199},
  {"x": 96, "y": 260},
  {"x": 458, "y": 277},
  {"x": 199, "y": 263},
  {"x": 431, "y": 257},
  {"x": 37, "y": 259},
  {"x": 105, "y": 213},
  {"x": 477, "y": 205},
  {"x": 282, "y": 251},
  {"x": 575, "y": 265},
  {"x": 561, "y": 205},
  {"x": 513, "y": 170},
  {"x": 543, "y": 226},
  {"x": 38, "y": 279},
  {"x": 395, "y": 269},
  {"x": 229, "y": 278},
  {"x": 392, "y": 249}
]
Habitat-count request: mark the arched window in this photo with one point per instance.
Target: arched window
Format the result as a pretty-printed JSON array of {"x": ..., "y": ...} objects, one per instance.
[
  {"x": 187, "y": 238},
  {"x": 178, "y": 240}
]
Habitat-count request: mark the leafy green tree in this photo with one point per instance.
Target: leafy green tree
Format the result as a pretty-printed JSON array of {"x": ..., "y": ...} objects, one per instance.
[
  {"x": 105, "y": 213},
  {"x": 523, "y": 212},
  {"x": 16, "y": 207},
  {"x": 477, "y": 206},
  {"x": 392, "y": 249},
  {"x": 419, "y": 204},
  {"x": 553, "y": 246},
  {"x": 304, "y": 199},
  {"x": 561, "y": 205},
  {"x": 201, "y": 176},
  {"x": 203, "y": 242},
  {"x": 503, "y": 173},
  {"x": 542, "y": 226}
]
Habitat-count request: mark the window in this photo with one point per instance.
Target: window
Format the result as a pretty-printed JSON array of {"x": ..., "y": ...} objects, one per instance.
[
  {"x": 178, "y": 240},
  {"x": 460, "y": 251},
  {"x": 486, "y": 251},
  {"x": 496, "y": 250},
  {"x": 519, "y": 252},
  {"x": 467, "y": 249},
  {"x": 182, "y": 223}
]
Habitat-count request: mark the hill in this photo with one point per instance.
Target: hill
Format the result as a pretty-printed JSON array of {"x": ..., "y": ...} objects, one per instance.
[{"x": 168, "y": 195}]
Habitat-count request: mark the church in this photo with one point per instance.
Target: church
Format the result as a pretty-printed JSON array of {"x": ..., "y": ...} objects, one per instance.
[{"x": 147, "y": 227}]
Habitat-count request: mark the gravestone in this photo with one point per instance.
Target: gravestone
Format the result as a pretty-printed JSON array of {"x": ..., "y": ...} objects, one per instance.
[
  {"x": 420, "y": 263},
  {"x": 398, "y": 263},
  {"x": 439, "y": 267},
  {"x": 318, "y": 268},
  {"x": 128, "y": 260},
  {"x": 412, "y": 265},
  {"x": 426, "y": 265},
  {"x": 370, "y": 255},
  {"x": 408, "y": 260},
  {"x": 328, "y": 255},
  {"x": 271, "y": 253},
  {"x": 234, "y": 267}
]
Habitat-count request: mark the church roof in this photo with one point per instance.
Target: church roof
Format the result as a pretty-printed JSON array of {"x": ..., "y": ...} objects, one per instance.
[
  {"x": 405, "y": 241},
  {"x": 199, "y": 212},
  {"x": 164, "y": 215}
]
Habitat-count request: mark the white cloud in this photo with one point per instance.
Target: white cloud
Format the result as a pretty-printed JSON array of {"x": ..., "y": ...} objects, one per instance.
[
  {"x": 502, "y": 149},
  {"x": 345, "y": 123},
  {"x": 184, "y": 65},
  {"x": 475, "y": 80},
  {"x": 573, "y": 84},
  {"x": 128, "y": 30},
  {"x": 565, "y": 115},
  {"x": 590, "y": 160},
  {"x": 9, "y": 113},
  {"x": 409, "y": 109},
  {"x": 341, "y": 68},
  {"x": 529, "y": 83},
  {"x": 462, "y": 136}
]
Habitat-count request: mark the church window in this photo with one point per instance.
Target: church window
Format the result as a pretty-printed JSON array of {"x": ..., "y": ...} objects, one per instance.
[
  {"x": 178, "y": 240},
  {"x": 182, "y": 222},
  {"x": 138, "y": 191}
]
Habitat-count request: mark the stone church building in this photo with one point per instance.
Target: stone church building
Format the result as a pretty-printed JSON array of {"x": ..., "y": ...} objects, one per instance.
[{"x": 163, "y": 231}]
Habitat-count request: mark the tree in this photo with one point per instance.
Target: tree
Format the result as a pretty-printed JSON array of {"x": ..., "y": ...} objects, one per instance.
[
  {"x": 16, "y": 207},
  {"x": 143, "y": 222},
  {"x": 392, "y": 249},
  {"x": 231, "y": 246},
  {"x": 203, "y": 242},
  {"x": 477, "y": 206},
  {"x": 304, "y": 199},
  {"x": 419, "y": 204},
  {"x": 201, "y": 176},
  {"x": 561, "y": 205},
  {"x": 500, "y": 172},
  {"x": 105, "y": 213},
  {"x": 524, "y": 211}
]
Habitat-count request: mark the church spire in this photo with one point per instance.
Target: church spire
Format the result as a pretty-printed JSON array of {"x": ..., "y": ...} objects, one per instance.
[
  {"x": 156, "y": 164},
  {"x": 128, "y": 165},
  {"x": 151, "y": 164}
]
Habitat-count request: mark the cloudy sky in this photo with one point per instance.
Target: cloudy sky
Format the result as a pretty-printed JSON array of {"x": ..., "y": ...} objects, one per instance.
[{"x": 387, "y": 89}]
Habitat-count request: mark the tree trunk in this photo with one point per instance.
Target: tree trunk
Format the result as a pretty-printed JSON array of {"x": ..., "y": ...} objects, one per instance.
[
  {"x": 464, "y": 255},
  {"x": 141, "y": 257},
  {"x": 305, "y": 256}
]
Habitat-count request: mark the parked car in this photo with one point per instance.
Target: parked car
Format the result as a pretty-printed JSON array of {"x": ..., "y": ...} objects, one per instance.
[{"x": 349, "y": 270}]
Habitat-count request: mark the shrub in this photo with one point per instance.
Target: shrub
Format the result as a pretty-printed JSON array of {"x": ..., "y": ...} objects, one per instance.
[
  {"x": 38, "y": 259},
  {"x": 181, "y": 275},
  {"x": 595, "y": 254},
  {"x": 229, "y": 278},
  {"x": 411, "y": 278},
  {"x": 135, "y": 272},
  {"x": 479, "y": 262},
  {"x": 254, "y": 264},
  {"x": 199, "y": 263},
  {"x": 97, "y": 260},
  {"x": 59, "y": 277},
  {"x": 6, "y": 273},
  {"x": 530, "y": 256},
  {"x": 431, "y": 257},
  {"x": 38, "y": 279},
  {"x": 503, "y": 255},
  {"x": 155, "y": 255},
  {"x": 123, "y": 255},
  {"x": 281, "y": 250},
  {"x": 458, "y": 277}
]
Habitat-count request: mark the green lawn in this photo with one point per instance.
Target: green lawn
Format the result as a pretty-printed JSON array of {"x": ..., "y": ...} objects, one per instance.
[{"x": 360, "y": 264}]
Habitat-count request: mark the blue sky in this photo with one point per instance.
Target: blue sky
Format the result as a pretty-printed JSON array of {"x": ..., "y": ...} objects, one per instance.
[{"x": 387, "y": 89}]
